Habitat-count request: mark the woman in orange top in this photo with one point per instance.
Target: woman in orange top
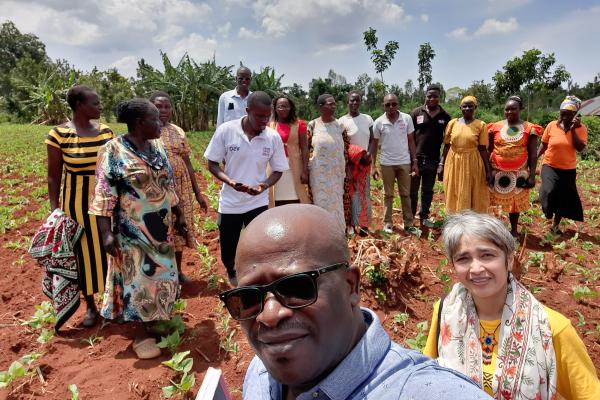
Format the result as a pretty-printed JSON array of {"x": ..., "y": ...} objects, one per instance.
[
  {"x": 560, "y": 141},
  {"x": 512, "y": 149}
]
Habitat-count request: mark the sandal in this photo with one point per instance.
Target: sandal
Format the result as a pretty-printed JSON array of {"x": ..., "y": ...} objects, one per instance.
[{"x": 146, "y": 349}]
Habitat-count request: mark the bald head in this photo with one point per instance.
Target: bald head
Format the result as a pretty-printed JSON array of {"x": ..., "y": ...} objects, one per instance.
[
  {"x": 390, "y": 97},
  {"x": 287, "y": 232}
]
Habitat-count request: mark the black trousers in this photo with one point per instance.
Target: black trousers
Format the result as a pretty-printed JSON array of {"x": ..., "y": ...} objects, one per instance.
[
  {"x": 426, "y": 181},
  {"x": 230, "y": 227}
]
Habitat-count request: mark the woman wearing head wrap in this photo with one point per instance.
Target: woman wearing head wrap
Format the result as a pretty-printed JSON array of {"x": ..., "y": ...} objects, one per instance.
[
  {"x": 512, "y": 148},
  {"x": 560, "y": 141},
  {"x": 465, "y": 163}
]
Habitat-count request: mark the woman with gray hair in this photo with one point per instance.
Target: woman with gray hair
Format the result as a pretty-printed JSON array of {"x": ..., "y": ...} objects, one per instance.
[{"x": 492, "y": 329}]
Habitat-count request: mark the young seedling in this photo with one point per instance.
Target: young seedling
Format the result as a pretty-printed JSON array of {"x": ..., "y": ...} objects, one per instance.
[
  {"x": 583, "y": 292},
  {"x": 401, "y": 318},
  {"x": 45, "y": 336},
  {"x": 44, "y": 316},
  {"x": 92, "y": 340},
  {"x": 73, "y": 391},
  {"x": 170, "y": 342},
  {"x": 179, "y": 362},
  {"x": 179, "y": 305},
  {"x": 420, "y": 340}
]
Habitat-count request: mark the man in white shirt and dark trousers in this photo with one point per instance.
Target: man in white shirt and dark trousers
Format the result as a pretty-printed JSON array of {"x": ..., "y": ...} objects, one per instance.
[
  {"x": 395, "y": 131},
  {"x": 246, "y": 146},
  {"x": 232, "y": 104}
]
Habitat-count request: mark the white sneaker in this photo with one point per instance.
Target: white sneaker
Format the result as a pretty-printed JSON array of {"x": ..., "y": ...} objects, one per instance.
[{"x": 387, "y": 228}]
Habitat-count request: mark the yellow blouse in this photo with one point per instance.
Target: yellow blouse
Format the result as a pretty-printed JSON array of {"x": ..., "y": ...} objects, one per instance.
[{"x": 576, "y": 374}]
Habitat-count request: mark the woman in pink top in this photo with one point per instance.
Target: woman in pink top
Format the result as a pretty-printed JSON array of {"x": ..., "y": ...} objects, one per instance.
[{"x": 291, "y": 188}]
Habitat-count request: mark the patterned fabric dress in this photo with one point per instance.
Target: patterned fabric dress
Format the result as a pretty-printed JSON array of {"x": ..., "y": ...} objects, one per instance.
[
  {"x": 328, "y": 144},
  {"x": 465, "y": 186},
  {"x": 136, "y": 189},
  {"x": 509, "y": 165},
  {"x": 79, "y": 161},
  {"x": 177, "y": 147}
]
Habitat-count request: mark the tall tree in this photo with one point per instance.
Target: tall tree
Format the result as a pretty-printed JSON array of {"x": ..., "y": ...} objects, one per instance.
[
  {"x": 111, "y": 86},
  {"x": 194, "y": 88},
  {"x": 426, "y": 55},
  {"x": 381, "y": 58},
  {"x": 533, "y": 72},
  {"x": 267, "y": 81}
]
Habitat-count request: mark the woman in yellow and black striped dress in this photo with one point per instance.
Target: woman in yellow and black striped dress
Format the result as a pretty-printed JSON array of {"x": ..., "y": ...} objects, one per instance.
[{"x": 72, "y": 152}]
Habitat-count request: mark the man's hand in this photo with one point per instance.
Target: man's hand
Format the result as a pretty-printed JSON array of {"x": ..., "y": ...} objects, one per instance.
[
  {"x": 376, "y": 174},
  {"x": 415, "y": 168},
  {"x": 240, "y": 187},
  {"x": 258, "y": 189},
  {"x": 440, "y": 172}
]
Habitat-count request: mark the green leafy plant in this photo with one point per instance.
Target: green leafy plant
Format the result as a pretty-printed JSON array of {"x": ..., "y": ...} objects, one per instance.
[
  {"x": 74, "y": 391},
  {"x": 184, "y": 386},
  {"x": 179, "y": 305},
  {"x": 380, "y": 296},
  {"x": 377, "y": 275},
  {"x": 401, "y": 318},
  {"x": 583, "y": 292},
  {"x": 549, "y": 238},
  {"x": 210, "y": 225},
  {"x": 92, "y": 340},
  {"x": 534, "y": 259},
  {"x": 587, "y": 245},
  {"x": 179, "y": 362},
  {"x": 170, "y": 342},
  {"x": 175, "y": 324},
  {"x": 580, "y": 319},
  {"x": 18, "y": 369},
  {"x": 182, "y": 365},
  {"x": 420, "y": 340},
  {"x": 228, "y": 344},
  {"x": 45, "y": 336},
  {"x": 44, "y": 316},
  {"x": 535, "y": 289},
  {"x": 561, "y": 246}
]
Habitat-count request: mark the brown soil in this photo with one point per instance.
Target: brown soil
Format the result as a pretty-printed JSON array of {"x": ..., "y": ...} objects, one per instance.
[{"x": 109, "y": 369}]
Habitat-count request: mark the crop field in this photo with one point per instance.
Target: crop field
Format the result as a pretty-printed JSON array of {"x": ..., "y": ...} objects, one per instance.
[{"x": 402, "y": 276}]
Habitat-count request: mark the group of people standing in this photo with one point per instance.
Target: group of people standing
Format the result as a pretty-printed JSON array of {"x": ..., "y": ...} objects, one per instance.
[{"x": 134, "y": 195}]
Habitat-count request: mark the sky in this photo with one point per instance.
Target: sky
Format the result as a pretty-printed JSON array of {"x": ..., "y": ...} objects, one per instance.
[{"x": 304, "y": 39}]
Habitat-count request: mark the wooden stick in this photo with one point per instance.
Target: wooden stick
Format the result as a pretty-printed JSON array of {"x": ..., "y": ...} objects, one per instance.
[
  {"x": 40, "y": 375},
  {"x": 202, "y": 354},
  {"x": 532, "y": 280}
]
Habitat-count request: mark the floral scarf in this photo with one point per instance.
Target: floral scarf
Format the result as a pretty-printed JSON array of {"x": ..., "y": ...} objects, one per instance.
[{"x": 526, "y": 363}]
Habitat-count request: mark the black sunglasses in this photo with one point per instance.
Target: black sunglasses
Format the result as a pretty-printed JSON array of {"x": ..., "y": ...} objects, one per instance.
[{"x": 292, "y": 291}]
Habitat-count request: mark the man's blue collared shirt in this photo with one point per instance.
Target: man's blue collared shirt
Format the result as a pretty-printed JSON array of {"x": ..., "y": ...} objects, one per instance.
[{"x": 376, "y": 368}]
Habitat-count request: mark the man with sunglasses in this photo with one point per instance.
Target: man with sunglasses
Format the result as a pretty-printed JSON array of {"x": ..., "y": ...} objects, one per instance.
[
  {"x": 232, "y": 104},
  {"x": 298, "y": 304},
  {"x": 395, "y": 131}
]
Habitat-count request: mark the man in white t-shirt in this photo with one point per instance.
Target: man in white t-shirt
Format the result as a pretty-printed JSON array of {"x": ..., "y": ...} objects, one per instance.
[
  {"x": 395, "y": 131},
  {"x": 232, "y": 104},
  {"x": 359, "y": 128},
  {"x": 245, "y": 146}
]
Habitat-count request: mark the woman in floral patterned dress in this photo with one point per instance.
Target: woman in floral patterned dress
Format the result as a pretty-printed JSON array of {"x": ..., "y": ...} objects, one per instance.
[
  {"x": 493, "y": 330},
  {"x": 328, "y": 144},
  {"x": 134, "y": 188},
  {"x": 186, "y": 187}
]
